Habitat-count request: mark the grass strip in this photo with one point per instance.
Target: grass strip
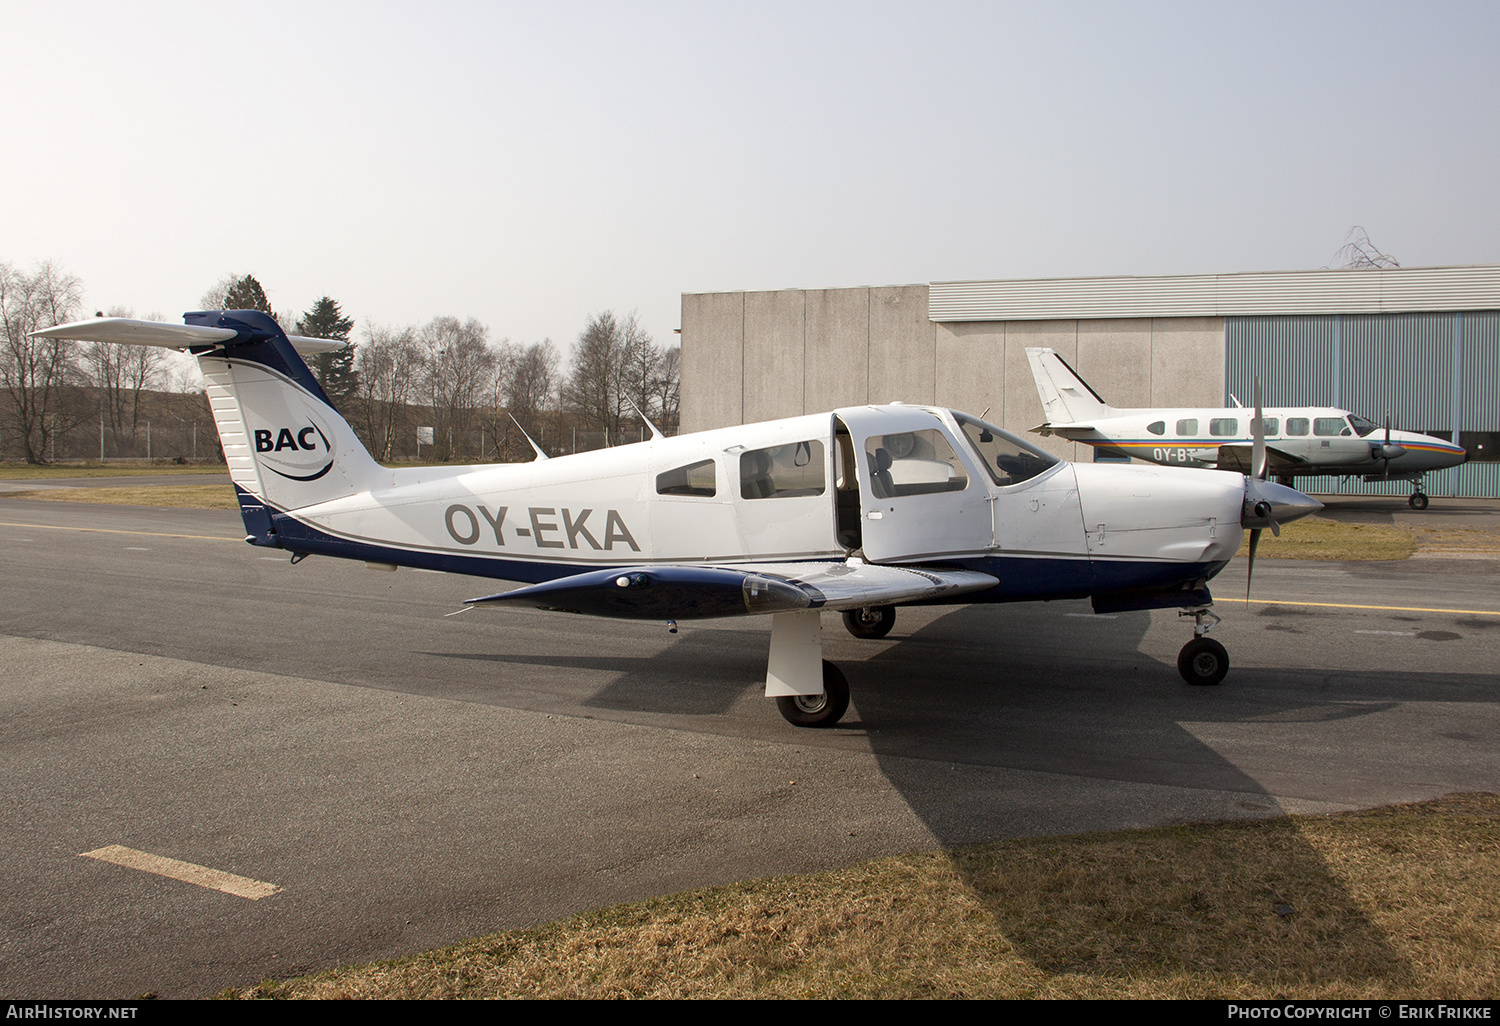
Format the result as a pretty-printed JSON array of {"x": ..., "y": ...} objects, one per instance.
[
  {"x": 203, "y": 496},
  {"x": 1402, "y": 901}
]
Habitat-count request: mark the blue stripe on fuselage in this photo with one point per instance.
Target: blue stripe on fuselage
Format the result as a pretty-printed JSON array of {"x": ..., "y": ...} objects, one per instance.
[{"x": 1021, "y": 578}]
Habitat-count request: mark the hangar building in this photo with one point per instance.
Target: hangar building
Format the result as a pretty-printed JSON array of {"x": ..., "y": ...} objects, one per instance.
[{"x": 1421, "y": 344}]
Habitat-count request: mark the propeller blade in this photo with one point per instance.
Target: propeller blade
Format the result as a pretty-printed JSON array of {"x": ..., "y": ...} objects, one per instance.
[
  {"x": 1258, "y": 439},
  {"x": 1250, "y": 567}
]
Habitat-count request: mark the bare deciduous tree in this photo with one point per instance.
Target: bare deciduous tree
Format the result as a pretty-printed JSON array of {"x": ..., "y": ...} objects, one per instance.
[
  {"x": 122, "y": 374},
  {"x": 389, "y": 362},
  {"x": 614, "y": 364},
  {"x": 32, "y": 370},
  {"x": 1359, "y": 252},
  {"x": 461, "y": 368}
]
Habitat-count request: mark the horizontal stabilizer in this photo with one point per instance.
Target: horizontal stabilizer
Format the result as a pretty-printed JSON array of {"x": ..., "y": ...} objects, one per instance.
[
  {"x": 698, "y": 592},
  {"x": 125, "y": 331}
]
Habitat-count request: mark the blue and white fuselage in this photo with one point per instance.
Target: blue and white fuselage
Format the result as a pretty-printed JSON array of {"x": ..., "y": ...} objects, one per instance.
[{"x": 858, "y": 510}]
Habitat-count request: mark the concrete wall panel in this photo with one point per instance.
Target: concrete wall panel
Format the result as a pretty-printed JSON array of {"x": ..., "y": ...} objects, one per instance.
[
  {"x": 774, "y": 355},
  {"x": 837, "y": 346},
  {"x": 903, "y": 346},
  {"x": 1187, "y": 361},
  {"x": 713, "y": 356},
  {"x": 970, "y": 372},
  {"x": 1114, "y": 357}
]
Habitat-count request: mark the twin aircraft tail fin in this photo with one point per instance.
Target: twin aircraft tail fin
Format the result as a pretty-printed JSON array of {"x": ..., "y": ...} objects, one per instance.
[
  {"x": 286, "y": 445},
  {"x": 1066, "y": 398}
]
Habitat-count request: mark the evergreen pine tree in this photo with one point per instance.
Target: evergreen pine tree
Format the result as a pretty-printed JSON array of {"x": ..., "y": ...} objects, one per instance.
[
  {"x": 335, "y": 370},
  {"x": 246, "y": 294}
]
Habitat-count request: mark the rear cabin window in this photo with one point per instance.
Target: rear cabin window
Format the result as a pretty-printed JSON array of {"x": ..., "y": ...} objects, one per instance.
[
  {"x": 783, "y": 471},
  {"x": 1157, "y": 427},
  {"x": 1187, "y": 428},
  {"x": 1224, "y": 427},
  {"x": 693, "y": 479},
  {"x": 913, "y": 463}
]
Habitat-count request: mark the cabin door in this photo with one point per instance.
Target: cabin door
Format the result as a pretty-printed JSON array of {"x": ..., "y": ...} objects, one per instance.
[{"x": 920, "y": 496}]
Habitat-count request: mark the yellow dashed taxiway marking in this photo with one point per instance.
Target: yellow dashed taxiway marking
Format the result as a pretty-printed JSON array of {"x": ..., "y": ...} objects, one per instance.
[
  {"x": 213, "y": 879},
  {"x": 1350, "y": 605}
]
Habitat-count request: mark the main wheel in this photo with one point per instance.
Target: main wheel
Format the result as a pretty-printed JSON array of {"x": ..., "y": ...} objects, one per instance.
[
  {"x": 823, "y": 710},
  {"x": 1203, "y": 661},
  {"x": 1417, "y": 501},
  {"x": 870, "y": 622}
]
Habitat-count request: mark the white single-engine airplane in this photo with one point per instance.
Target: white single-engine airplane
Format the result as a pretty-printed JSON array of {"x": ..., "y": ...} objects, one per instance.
[
  {"x": 858, "y": 510},
  {"x": 1300, "y": 441}
]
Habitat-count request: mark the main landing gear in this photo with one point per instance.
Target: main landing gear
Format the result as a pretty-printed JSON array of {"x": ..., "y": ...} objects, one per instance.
[
  {"x": 822, "y": 710},
  {"x": 1202, "y": 661},
  {"x": 870, "y": 622}
]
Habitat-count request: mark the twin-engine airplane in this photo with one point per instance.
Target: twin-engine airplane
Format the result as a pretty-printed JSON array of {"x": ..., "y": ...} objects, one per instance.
[
  {"x": 858, "y": 510},
  {"x": 1300, "y": 441}
]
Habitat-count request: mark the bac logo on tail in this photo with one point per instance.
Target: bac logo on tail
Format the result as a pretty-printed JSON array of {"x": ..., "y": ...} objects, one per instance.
[{"x": 297, "y": 454}]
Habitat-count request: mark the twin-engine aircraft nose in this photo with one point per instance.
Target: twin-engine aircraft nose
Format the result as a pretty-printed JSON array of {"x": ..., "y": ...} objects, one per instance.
[{"x": 1268, "y": 504}]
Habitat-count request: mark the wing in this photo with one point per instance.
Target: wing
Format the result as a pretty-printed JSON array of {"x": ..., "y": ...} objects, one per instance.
[
  {"x": 697, "y": 592},
  {"x": 1238, "y": 458}
]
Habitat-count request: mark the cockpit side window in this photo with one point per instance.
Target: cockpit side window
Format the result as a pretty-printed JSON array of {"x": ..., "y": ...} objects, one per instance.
[{"x": 1006, "y": 458}]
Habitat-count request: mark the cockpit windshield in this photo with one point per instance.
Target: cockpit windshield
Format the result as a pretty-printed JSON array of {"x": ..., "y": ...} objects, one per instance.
[
  {"x": 1360, "y": 424},
  {"x": 1007, "y": 459}
]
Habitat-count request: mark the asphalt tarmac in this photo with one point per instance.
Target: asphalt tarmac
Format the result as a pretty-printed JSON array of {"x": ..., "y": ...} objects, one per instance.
[{"x": 408, "y": 772}]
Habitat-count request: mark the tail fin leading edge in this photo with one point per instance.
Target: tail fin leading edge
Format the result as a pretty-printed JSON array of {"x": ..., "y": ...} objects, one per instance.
[{"x": 1066, "y": 398}]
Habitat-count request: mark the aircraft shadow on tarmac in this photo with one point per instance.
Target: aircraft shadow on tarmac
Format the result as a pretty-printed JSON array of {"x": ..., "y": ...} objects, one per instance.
[{"x": 956, "y": 706}]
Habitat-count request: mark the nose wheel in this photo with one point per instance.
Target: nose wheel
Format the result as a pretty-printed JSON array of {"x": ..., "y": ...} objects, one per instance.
[{"x": 1203, "y": 661}]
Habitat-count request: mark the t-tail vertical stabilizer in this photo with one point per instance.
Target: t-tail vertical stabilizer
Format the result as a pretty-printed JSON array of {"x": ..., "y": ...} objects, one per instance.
[
  {"x": 1066, "y": 398},
  {"x": 283, "y": 440},
  {"x": 286, "y": 446}
]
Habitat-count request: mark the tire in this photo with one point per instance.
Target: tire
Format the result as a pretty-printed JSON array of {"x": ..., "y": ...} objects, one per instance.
[
  {"x": 870, "y": 622},
  {"x": 1418, "y": 501},
  {"x": 1203, "y": 662},
  {"x": 823, "y": 710}
]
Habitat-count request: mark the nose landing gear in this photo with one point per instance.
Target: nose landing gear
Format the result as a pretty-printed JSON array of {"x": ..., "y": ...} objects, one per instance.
[{"x": 1202, "y": 661}]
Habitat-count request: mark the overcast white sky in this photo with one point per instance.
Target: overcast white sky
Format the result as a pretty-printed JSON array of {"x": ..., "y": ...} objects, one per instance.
[{"x": 531, "y": 164}]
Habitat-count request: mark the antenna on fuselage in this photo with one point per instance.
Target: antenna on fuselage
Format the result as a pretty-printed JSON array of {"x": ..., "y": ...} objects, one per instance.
[
  {"x": 534, "y": 447},
  {"x": 655, "y": 432}
]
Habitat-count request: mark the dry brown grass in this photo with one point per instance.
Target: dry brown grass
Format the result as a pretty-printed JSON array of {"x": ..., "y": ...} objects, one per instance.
[
  {"x": 214, "y": 496},
  {"x": 1394, "y": 902},
  {"x": 28, "y": 471},
  {"x": 1317, "y": 538}
]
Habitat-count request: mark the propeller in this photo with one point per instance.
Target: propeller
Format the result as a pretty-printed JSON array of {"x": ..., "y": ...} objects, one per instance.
[
  {"x": 1388, "y": 450},
  {"x": 1267, "y": 504}
]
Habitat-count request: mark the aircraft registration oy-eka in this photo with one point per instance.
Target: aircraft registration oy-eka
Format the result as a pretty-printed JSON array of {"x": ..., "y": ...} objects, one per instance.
[
  {"x": 1300, "y": 441},
  {"x": 858, "y": 510}
]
